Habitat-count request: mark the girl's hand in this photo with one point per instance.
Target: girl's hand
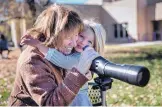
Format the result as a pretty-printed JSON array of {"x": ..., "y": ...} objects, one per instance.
[
  {"x": 89, "y": 75},
  {"x": 29, "y": 40},
  {"x": 86, "y": 58}
]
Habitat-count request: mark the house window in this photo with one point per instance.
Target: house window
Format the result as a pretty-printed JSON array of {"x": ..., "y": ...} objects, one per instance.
[
  {"x": 121, "y": 30},
  {"x": 115, "y": 31}
]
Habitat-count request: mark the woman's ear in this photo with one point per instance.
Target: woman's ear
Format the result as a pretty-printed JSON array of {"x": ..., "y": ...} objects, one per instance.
[{"x": 42, "y": 37}]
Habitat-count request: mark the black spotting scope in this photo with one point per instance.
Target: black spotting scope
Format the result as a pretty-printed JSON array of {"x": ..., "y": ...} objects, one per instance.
[{"x": 132, "y": 74}]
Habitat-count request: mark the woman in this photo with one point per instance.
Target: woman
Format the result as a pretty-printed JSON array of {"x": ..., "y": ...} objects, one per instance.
[
  {"x": 37, "y": 81},
  {"x": 93, "y": 34}
]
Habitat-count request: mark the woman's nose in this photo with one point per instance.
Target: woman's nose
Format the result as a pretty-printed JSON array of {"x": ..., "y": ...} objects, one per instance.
[{"x": 74, "y": 43}]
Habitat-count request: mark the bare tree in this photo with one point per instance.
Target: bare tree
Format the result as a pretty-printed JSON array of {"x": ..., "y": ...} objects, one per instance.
[
  {"x": 25, "y": 8},
  {"x": 32, "y": 5}
]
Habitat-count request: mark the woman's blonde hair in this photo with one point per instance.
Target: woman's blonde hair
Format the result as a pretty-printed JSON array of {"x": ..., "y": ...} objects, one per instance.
[
  {"x": 99, "y": 33},
  {"x": 53, "y": 21}
]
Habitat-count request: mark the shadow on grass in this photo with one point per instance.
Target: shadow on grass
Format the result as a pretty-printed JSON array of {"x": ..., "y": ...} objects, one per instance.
[{"x": 134, "y": 56}]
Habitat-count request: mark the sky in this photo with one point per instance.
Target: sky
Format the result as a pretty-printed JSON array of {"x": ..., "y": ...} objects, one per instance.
[
  {"x": 70, "y": 1},
  {"x": 64, "y": 1}
]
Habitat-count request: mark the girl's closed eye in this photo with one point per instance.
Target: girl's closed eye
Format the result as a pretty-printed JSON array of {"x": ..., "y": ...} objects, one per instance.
[
  {"x": 90, "y": 43},
  {"x": 81, "y": 37}
]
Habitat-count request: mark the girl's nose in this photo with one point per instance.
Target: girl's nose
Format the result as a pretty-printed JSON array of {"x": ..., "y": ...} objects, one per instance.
[{"x": 84, "y": 42}]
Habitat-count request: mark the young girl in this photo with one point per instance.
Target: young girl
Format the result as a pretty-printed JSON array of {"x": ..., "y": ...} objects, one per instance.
[{"x": 93, "y": 35}]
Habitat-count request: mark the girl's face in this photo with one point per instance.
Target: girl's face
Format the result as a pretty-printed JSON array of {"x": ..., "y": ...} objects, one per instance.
[{"x": 85, "y": 38}]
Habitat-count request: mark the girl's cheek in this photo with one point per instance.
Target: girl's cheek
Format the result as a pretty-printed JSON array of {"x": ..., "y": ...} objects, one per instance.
[
  {"x": 90, "y": 45},
  {"x": 79, "y": 40}
]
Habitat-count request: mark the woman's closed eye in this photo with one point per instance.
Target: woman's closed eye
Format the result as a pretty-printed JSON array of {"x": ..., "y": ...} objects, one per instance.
[
  {"x": 69, "y": 38},
  {"x": 74, "y": 37}
]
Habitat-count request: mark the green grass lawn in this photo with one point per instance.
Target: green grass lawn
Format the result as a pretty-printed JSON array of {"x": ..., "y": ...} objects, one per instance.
[
  {"x": 125, "y": 94},
  {"x": 122, "y": 93}
]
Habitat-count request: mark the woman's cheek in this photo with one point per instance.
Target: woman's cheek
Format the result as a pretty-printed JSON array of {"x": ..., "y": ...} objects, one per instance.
[{"x": 66, "y": 42}]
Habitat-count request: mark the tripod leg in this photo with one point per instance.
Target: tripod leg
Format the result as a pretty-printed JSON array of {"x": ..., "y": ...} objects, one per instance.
[{"x": 103, "y": 95}]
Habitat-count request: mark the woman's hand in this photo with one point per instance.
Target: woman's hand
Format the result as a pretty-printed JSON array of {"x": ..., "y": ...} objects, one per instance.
[
  {"x": 29, "y": 40},
  {"x": 87, "y": 56}
]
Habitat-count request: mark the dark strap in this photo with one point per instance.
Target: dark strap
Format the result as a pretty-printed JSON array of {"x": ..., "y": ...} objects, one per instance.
[
  {"x": 85, "y": 47},
  {"x": 25, "y": 99}
]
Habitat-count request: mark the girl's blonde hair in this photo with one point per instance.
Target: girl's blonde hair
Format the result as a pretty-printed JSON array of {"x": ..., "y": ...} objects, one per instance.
[
  {"x": 54, "y": 24},
  {"x": 99, "y": 33}
]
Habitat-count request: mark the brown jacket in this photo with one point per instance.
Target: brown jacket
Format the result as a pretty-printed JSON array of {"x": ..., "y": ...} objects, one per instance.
[{"x": 39, "y": 83}]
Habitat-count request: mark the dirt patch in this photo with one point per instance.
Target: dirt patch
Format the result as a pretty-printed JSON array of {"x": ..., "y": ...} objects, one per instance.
[
  {"x": 8, "y": 70},
  {"x": 8, "y": 66}
]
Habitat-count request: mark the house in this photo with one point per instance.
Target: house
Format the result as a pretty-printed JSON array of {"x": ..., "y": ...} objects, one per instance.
[{"x": 124, "y": 20}]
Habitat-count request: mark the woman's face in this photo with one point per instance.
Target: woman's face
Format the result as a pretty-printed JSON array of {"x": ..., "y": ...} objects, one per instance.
[
  {"x": 85, "y": 38},
  {"x": 69, "y": 43}
]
